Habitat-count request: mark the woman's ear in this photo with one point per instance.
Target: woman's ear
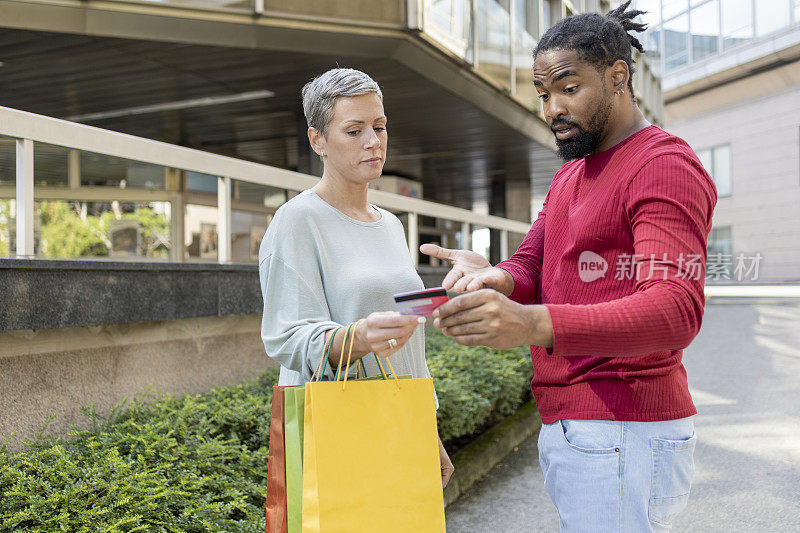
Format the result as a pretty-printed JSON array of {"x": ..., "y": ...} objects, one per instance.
[{"x": 317, "y": 141}]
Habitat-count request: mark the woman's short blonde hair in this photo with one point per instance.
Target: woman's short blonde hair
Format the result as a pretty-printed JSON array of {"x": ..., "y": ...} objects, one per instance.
[{"x": 320, "y": 94}]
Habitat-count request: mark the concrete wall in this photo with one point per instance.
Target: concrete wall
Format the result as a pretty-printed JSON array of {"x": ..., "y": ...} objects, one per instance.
[
  {"x": 59, "y": 371},
  {"x": 759, "y": 117}
]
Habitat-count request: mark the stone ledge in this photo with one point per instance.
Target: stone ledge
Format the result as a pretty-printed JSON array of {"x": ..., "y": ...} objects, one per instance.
[
  {"x": 40, "y": 294},
  {"x": 481, "y": 455},
  {"x": 56, "y": 293}
]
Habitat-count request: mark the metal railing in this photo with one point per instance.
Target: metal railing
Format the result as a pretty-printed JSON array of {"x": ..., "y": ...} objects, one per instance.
[{"x": 27, "y": 128}]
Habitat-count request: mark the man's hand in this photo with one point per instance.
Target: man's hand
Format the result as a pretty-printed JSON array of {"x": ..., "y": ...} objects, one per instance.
[
  {"x": 471, "y": 271},
  {"x": 487, "y": 318}
]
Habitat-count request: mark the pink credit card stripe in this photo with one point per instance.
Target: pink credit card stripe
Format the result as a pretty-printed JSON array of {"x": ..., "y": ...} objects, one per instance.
[{"x": 422, "y": 306}]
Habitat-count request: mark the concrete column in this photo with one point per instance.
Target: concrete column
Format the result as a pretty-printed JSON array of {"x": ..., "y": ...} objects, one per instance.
[
  {"x": 24, "y": 204},
  {"x": 224, "y": 220}
]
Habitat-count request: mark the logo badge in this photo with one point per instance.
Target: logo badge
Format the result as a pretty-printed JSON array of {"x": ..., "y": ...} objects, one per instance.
[{"x": 591, "y": 267}]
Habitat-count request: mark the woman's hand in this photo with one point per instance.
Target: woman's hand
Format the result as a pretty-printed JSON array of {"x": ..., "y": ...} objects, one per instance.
[
  {"x": 471, "y": 271},
  {"x": 384, "y": 333},
  {"x": 447, "y": 465}
]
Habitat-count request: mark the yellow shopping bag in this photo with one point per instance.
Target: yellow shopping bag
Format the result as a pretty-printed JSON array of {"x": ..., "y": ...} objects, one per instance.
[{"x": 371, "y": 457}]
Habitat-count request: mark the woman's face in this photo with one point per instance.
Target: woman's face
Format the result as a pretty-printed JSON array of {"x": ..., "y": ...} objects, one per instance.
[{"x": 355, "y": 142}]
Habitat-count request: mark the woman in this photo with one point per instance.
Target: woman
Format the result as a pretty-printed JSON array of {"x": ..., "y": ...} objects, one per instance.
[{"x": 330, "y": 258}]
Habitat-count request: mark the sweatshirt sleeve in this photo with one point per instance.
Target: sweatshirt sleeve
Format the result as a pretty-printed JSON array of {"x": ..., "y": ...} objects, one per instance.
[
  {"x": 295, "y": 317},
  {"x": 669, "y": 204},
  {"x": 525, "y": 266}
]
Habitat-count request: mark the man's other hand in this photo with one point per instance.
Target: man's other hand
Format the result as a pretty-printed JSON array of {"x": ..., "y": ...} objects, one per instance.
[
  {"x": 488, "y": 318},
  {"x": 471, "y": 271}
]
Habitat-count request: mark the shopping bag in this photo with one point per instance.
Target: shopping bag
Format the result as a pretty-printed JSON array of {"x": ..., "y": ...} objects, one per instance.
[
  {"x": 276, "y": 467},
  {"x": 293, "y": 439},
  {"x": 371, "y": 457},
  {"x": 294, "y": 398}
]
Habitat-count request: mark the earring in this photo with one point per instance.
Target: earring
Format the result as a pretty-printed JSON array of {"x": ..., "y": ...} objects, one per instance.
[
  {"x": 620, "y": 91},
  {"x": 322, "y": 154}
]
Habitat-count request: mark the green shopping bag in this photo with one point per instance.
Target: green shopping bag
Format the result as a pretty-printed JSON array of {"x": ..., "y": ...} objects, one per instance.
[{"x": 294, "y": 398}]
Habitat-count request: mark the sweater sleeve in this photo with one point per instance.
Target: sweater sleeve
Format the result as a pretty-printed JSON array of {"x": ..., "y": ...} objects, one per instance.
[
  {"x": 669, "y": 204},
  {"x": 295, "y": 317},
  {"x": 525, "y": 266}
]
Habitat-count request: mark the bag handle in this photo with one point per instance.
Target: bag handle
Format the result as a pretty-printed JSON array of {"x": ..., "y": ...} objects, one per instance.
[
  {"x": 350, "y": 353},
  {"x": 341, "y": 355},
  {"x": 324, "y": 361}
]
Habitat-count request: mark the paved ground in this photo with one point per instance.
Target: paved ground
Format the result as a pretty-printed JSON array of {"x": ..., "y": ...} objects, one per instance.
[{"x": 744, "y": 372}]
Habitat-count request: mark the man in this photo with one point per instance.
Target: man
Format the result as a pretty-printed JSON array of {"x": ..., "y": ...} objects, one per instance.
[{"x": 607, "y": 287}]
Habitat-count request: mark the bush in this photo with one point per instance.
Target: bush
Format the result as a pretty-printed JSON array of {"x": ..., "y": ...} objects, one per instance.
[
  {"x": 195, "y": 463},
  {"x": 199, "y": 462},
  {"x": 476, "y": 386}
]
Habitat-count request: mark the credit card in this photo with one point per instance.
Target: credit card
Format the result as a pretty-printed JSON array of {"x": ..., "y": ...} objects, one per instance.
[{"x": 422, "y": 302}]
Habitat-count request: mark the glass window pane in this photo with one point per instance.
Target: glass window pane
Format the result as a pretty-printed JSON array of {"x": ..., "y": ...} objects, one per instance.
[
  {"x": 201, "y": 233},
  {"x": 98, "y": 170},
  {"x": 705, "y": 30},
  {"x": 705, "y": 159},
  {"x": 722, "y": 170},
  {"x": 771, "y": 16},
  {"x": 6, "y": 216},
  {"x": 197, "y": 182},
  {"x": 720, "y": 241},
  {"x": 247, "y": 230},
  {"x": 676, "y": 49},
  {"x": 653, "y": 11},
  {"x": 494, "y": 43},
  {"x": 670, "y": 8},
  {"x": 737, "y": 22},
  {"x": 116, "y": 230},
  {"x": 8, "y": 162},
  {"x": 50, "y": 165},
  {"x": 260, "y": 194}
]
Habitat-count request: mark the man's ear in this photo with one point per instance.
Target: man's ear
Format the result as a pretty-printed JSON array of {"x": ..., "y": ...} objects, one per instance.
[
  {"x": 317, "y": 140},
  {"x": 620, "y": 74}
]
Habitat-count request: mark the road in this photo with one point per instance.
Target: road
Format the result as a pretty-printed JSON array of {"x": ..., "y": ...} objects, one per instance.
[{"x": 744, "y": 374}]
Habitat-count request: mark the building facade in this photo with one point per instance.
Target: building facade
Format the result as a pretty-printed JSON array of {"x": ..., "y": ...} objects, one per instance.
[{"x": 731, "y": 86}]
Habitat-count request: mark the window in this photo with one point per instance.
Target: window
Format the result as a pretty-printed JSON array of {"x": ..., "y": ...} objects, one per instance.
[
  {"x": 671, "y": 8},
  {"x": 771, "y": 16},
  {"x": 720, "y": 241},
  {"x": 676, "y": 43},
  {"x": 705, "y": 30},
  {"x": 717, "y": 162},
  {"x": 737, "y": 22},
  {"x": 99, "y": 170}
]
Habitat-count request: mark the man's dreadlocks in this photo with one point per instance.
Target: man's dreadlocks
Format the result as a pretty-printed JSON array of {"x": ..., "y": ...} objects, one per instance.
[{"x": 597, "y": 38}]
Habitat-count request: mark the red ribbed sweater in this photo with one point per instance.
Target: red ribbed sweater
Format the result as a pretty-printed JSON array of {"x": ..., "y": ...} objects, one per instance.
[{"x": 644, "y": 207}]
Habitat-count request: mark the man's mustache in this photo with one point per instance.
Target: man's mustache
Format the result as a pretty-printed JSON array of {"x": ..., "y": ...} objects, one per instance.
[{"x": 561, "y": 122}]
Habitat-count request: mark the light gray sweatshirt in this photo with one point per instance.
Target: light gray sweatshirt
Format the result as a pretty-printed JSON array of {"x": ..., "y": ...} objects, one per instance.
[{"x": 321, "y": 269}]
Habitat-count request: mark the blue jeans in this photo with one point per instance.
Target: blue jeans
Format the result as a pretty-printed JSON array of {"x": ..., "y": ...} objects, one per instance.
[{"x": 617, "y": 476}]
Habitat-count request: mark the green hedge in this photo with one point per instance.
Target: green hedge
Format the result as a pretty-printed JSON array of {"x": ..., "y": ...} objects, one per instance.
[{"x": 199, "y": 463}]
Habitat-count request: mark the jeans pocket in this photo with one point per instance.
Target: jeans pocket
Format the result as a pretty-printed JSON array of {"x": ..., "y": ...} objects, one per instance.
[
  {"x": 591, "y": 437},
  {"x": 673, "y": 468}
]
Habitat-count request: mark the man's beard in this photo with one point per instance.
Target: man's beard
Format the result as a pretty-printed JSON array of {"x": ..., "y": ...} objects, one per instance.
[{"x": 585, "y": 141}]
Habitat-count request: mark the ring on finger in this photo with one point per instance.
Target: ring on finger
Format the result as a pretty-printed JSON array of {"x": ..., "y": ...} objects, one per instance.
[{"x": 392, "y": 343}]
